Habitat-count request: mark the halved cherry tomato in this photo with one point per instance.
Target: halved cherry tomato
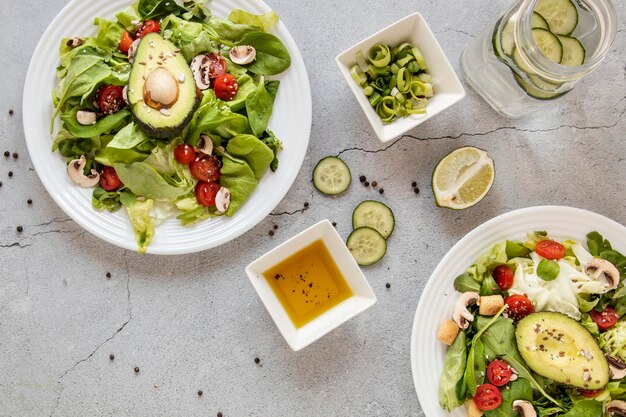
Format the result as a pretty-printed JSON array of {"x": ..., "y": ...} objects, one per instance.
[
  {"x": 499, "y": 372},
  {"x": 519, "y": 306},
  {"x": 109, "y": 179},
  {"x": 110, "y": 99},
  {"x": 184, "y": 154},
  {"x": 605, "y": 319},
  {"x": 206, "y": 192},
  {"x": 590, "y": 393},
  {"x": 217, "y": 66},
  {"x": 146, "y": 27},
  {"x": 206, "y": 168},
  {"x": 225, "y": 87},
  {"x": 550, "y": 249},
  {"x": 503, "y": 275},
  {"x": 125, "y": 41},
  {"x": 487, "y": 397}
]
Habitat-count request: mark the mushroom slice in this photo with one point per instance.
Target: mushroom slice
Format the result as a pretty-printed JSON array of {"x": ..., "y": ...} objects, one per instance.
[
  {"x": 597, "y": 268},
  {"x": 222, "y": 200},
  {"x": 86, "y": 117},
  {"x": 75, "y": 171},
  {"x": 616, "y": 408},
  {"x": 132, "y": 50},
  {"x": 461, "y": 316},
  {"x": 617, "y": 367},
  {"x": 242, "y": 54},
  {"x": 125, "y": 95},
  {"x": 200, "y": 70},
  {"x": 525, "y": 408},
  {"x": 205, "y": 145},
  {"x": 74, "y": 42}
]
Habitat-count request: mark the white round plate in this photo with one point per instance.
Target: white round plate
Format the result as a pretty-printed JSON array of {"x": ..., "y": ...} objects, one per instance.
[
  {"x": 291, "y": 122},
  {"x": 436, "y": 302}
]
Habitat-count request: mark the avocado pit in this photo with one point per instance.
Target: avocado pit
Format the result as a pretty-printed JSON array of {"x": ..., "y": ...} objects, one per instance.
[{"x": 160, "y": 91}]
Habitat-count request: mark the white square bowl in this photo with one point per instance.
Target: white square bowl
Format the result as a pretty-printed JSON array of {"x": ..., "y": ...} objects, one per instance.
[
  {"x": 362, "y": 295},
  {"x": 448, "y": 88}
]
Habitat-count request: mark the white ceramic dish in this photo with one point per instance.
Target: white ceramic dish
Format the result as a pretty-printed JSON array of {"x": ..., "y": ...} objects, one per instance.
[
  {"x": 363, "y": 297},
  {"x": 436, "y": 302},
  {"x": 291, "y": 121},
  {"x": 448, "y": 88}
]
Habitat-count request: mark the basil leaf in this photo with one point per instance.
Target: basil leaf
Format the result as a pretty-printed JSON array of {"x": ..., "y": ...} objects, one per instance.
[{"x": 548, "y": 270}]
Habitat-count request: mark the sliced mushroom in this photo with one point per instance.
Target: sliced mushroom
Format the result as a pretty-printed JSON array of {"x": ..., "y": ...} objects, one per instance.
[
  {"x": 75, "y": 170},
  {"x": 222, "y": 200},
  {"x": 598, "y": 268},
  {"x": 86, "y": 117},
  {"x": 243, "y": 54},
  {"x": 74, "y": 42},
  {"x": 617, "y": 367},
  {"x": 125, "y": 94},
  {"x": 205, "y": 145},
  {"x": 200, "y": 70},
  {"x": 132, "y": 50},
  {"x": 525, "y": 408},
  {"x": 160, "y": 89},
  {"x": 461, "y": 316},
  {"x": 616, "y": 408}
]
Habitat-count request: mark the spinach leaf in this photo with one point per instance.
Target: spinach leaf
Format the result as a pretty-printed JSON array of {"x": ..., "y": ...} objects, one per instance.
[
  {"x": 275, "y": 145},
  {"x": 102, "y": 126},
  {"x": 246, "y": 86},
  {"x": 548, "y": 270},
  {"x": 489, "y": 286},
  {"x": 476, "y": 366},
  {"x": 272, "y": 87},
  {"x": 201, "y": 44},
  {"x": 272, "y": 56},
  {"x": 596, "y": 243},
  {"x": 517, "y": 390},
  {"x": 465, "y": 283},
  {"x": 516, "y": 250},
  {"x": 152, "y": 9},
  {"x": 259, "y": 104},
  {"x": 254, "y": 152},
  {"x": 452, "y": 376},
  {"x": 585, "y": 408},
  {"x": 105, "y": 200},
  {"x": 227, "y": 30},
  {"x": 142, "y": 179},
  {"x": 264, "y": 21}
]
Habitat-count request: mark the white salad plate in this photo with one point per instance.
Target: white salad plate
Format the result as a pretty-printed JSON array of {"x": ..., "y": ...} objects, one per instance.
[
  {"x": 437, "y": 300},
  {"x": 291, "y": 122}
]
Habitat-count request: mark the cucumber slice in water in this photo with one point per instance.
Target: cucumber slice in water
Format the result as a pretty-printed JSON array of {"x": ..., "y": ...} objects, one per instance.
[
  {"x": 573, "y": 51},
  {"x": 535, "y": 92},
  {"x": 539, "y": 22},
  {"x": 549, "y": 44},
  {"x": 561, "y": 15},
  {"x": 376, "y": 215},
  {"x": 331, "y": 176},
  {"x": 508, "y": 38},
  {"x": 366, "y": 245}
]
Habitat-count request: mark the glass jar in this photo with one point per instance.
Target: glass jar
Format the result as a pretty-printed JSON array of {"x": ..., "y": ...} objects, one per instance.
[{"x": 506, "y": 66}]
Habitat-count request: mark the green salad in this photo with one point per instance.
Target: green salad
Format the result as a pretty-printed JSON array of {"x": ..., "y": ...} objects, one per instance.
[
  {"x": 165, "y": 111},
  {"x": 538, "y": 330}
]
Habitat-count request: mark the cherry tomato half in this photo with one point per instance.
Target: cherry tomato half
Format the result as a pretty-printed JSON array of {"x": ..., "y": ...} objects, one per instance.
[
  {"x": 109, "y": 179},
  {"x": 519, "y": 306},
  {"x": 125, "y": 41},
  {"x": 225, "y": 87},
  {"x": 499, "y": 372},
  {"x": 503, "y": 275},
  {"x": 604, "y": 319},
  {"x": 590, "y": 393},
  {"x": 206, "y": 168},
  {"x": 487, "y": 397},
  {"x": 206, "y": 192},
  {"x": 217, "y": 66},
  {"x": 146, "y": 27},
  {"x": 184, "y": 154},
  {"x": 550, "y": 249},
  {"x": 110, "y": 99}
]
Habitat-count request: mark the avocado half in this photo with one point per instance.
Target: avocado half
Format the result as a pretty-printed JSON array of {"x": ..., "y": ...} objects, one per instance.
[
  {"x": 160, "y": 72},
  {"x": 558, "y": 347}
]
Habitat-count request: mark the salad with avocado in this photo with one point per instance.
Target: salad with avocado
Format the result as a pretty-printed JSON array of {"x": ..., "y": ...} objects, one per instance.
[
  {"x": 165, "y": 111},
  {"x": 538, "y": 330}
]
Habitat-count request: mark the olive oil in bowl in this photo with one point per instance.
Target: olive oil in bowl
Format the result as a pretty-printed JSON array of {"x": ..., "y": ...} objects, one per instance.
[{"x": 308, "y": 283}]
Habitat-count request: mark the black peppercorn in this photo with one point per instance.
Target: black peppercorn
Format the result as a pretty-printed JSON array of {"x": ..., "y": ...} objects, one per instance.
[
  {"x": 111, "y": 356},
  {"x": 29, "y": 201},
  {"x": 199, "y": 393},
  {"x": 382, "y": 191},
  {"x": 362, "y": 178},
  {"x": 10, "y": 173},
  {"x": 367, "y": 184},
  {"x": 271, "y": 233},
  {"x": 20, "y": 229},
  {"x": 219, "y": 414},
  {"x": 374, "y": 184},
  {"x": 7, "y": 154},
  {"x": 15, "y": 155},
  {"x": 416, "y": 190},
  {"x": 335, "y": 224},
  {"x": 11, "y": 112},
  {"x": 306, "y": 204},
  {"x": 257, "y": 360},
  {"x": 136, "y": 369},
  {"x": 413, "y": 184},
  {"x": 108, "y": 275},
  {"x": 275, "y": 226},
  {"x": 0, "y": 183},
  {"x": 388, "y": 285}
]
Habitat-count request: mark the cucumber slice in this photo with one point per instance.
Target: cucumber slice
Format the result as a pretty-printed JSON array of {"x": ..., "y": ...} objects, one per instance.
[
  {"x": 535, "y": 92},
  {"x": 376, "y": 215},
  {"x": 507, "y": 39},
  {"x": 331, "y": 176},
  {"x": 561, "y": 15},
  {"x": 549, "y": 44},
  {"x": 539, "y": 22},
  {"x": 366, "y": 245},
  {"x": 573, "y": 51}
]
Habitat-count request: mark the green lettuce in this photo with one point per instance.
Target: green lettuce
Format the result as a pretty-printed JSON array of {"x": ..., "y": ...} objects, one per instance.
[
  {"x": 109, "y": 34},
  {"x": 138, "y": 211},
  {"x": 190, "y": 210},
  {"x": 129, "y": 145},
  {"x": 264, "y": 21},
  {"x": 102, "y": 126},
  {"x": 215, "y": 118},
  {"x": 105, "y": 200}
]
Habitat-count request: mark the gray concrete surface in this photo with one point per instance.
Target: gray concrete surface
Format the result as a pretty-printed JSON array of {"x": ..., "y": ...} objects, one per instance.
[{"x": 195, "y": 323}]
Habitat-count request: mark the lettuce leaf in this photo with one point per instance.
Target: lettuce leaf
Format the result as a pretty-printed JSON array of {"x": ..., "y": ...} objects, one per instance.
[
  {"x": 264, "y": 21},
  {"x": 102, "y": 126},
  {"x": 143, "y": 225},
  {"x": 109, "y": 34},
  {"x": 129, "y": 145}
]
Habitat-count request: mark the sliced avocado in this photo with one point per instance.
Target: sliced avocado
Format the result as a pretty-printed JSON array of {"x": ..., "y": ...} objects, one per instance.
[
  {"x": 161, "y": 88},
  {"x": 558, "y": 347}
]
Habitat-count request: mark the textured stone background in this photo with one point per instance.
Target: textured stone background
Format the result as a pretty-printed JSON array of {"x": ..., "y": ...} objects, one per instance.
[{"x": 194, "y": 322}]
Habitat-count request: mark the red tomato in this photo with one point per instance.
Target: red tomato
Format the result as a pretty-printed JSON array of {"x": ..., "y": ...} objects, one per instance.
[
  {"x": 590, "y": 393},
  {"x": 109, "y": 179},
  {"x": 225, "y": 87},
  {"x": 519, "y": 306},
  {"x": 184, "y": 154},
  {"x": 487, "y": 397},
  {"x": 499, "y": 372},
  {"x": 125, "y": 41},
  {"x": 146, "y": 27},
  {"x": 110, "y": 99},
  {"x": 206, "y": 168},
  {"x": 217, "y": 66},
  {"x": 550, "y": 249},
  {"x": 503, "y": 274},
  {"x": 605, "y": 319},
  {"x": 205, "y": 193}
]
